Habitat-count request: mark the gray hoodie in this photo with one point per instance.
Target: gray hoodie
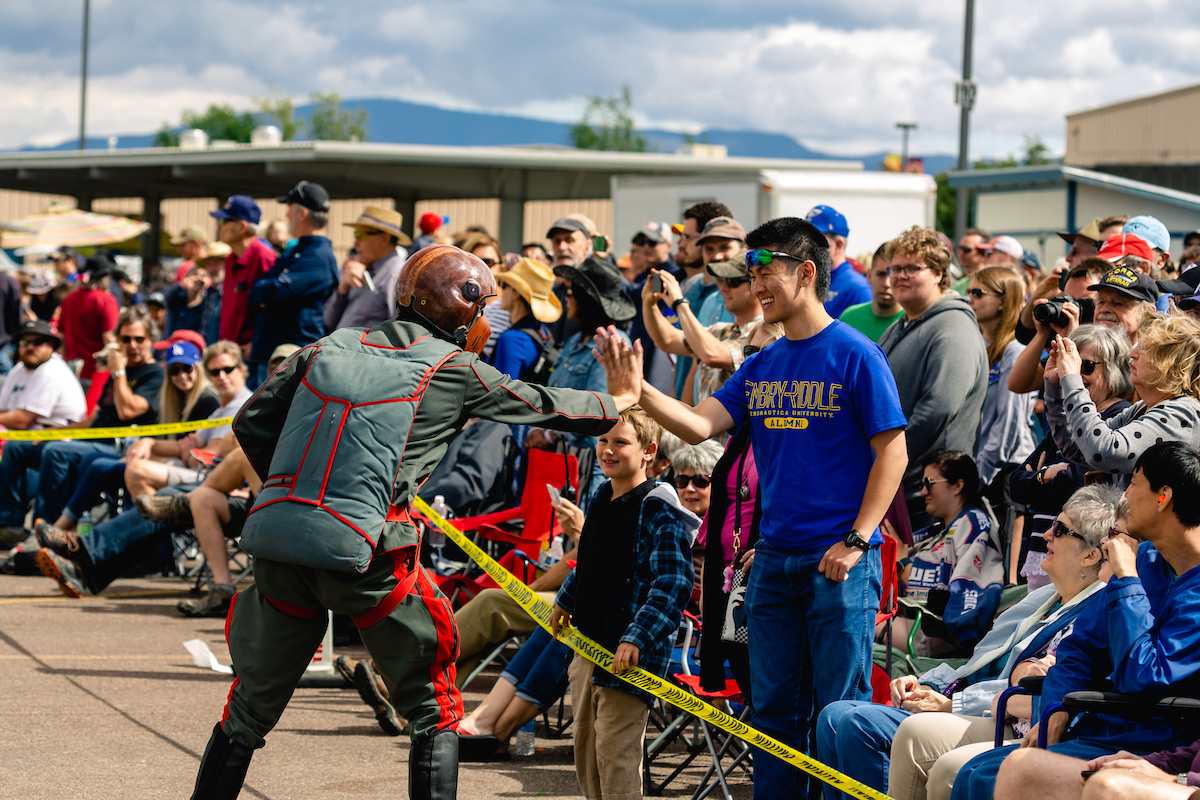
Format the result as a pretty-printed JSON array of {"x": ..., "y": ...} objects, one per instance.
[{"x": 941, "y": 369}]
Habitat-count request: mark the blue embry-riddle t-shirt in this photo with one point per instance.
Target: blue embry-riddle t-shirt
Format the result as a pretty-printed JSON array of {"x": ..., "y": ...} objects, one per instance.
[{"x": 813, "y": 406}]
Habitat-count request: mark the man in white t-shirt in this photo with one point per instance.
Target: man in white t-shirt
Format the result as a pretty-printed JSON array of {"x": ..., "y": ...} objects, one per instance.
[{"x": 40, "y": 391}]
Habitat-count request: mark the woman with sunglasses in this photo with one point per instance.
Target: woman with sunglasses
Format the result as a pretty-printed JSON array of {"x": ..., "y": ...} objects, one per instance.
[
  {"x": 942, "y": 718},
  {"x": 955, "y": 571},
  {"x": 488, "y": 250},
  {"x": 184, "y": 396},
  {"x": 1047, "y": 479},
  {"x": 1165, "y": 370}
]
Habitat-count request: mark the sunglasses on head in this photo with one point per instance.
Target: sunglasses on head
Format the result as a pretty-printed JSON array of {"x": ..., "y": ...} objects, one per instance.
[
  {"x": 699, "y": 481},
  {"x": 1059, "y": 530},
  {"x": 133, "y": 339},
  {"x": 180, "y": 369},
  {"x": 215, "y": 371},
  {"x": 761, "y": 257}
]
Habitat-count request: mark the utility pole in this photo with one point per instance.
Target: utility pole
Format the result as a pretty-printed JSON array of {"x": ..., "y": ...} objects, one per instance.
[
  {"x": 905, "y": 129},
  {"x": 964, "y": 96},
  {"x": 83, "y": 70}
]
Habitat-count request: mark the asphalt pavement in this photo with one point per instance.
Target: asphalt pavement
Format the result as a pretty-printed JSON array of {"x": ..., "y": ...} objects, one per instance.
[{"x": 102, "y": 701}]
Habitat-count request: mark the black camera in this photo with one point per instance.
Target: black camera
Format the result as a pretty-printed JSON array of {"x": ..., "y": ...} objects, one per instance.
[{"x": 1051, "y": 312}]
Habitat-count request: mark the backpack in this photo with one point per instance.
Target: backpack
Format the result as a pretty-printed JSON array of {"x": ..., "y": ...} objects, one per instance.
[{"x": 548, "y": 353}]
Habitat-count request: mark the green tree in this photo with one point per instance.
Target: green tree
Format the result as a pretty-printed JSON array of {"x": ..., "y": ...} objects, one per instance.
[
  {"x": 282, "y": 112},
  {"x": 946, "y": 203},
  {"x": 607, "y": 124},
  {"x": 330, "y": 122},
  {"x": 1034, "y": 152},
  {"x": 218, "y": 121}
]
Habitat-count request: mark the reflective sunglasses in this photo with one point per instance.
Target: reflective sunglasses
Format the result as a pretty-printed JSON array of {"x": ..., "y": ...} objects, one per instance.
[
  {"x": 1059, "y": 530},
  {"x": 179, "y": 369},
  {"x": 133, "y": 339},
  {"x": 699, "y": 481},
  {"x": 761, "y": 257},
  {"x": 927, "y": 484},
  {"x": 1087, "y": 366},
  {"x": 215, "y": 371}
]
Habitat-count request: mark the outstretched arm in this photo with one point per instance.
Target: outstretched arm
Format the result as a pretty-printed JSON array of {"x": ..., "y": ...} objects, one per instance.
[{"x": 623, "y": 365}]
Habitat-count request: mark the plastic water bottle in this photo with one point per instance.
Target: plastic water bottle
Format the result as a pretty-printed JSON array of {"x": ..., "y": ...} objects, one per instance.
[
  {"x": 525, "y": 739},
  {"x": 84, "y": 526},
  {"x": 554, "y": 553},
  {"x": 437, "y": 539}
]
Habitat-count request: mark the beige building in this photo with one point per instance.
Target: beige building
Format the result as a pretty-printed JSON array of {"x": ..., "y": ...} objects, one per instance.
[{"x": 1150, "y": 139}]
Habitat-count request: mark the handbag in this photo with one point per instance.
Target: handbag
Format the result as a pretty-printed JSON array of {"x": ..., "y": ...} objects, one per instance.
[{"x": 735, "y": 629}]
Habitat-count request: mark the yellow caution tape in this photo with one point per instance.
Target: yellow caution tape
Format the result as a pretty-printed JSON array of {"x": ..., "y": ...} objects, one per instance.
[
  {"x": 540, "y": 610},
  {"x": 160, "y": 429}
]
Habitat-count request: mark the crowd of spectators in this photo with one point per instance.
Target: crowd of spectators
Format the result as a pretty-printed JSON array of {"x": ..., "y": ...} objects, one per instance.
[{"x": 1025, "y": 437}]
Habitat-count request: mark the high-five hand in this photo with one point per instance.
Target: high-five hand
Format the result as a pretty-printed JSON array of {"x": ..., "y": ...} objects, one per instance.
[{"x": 622, "y": 365}]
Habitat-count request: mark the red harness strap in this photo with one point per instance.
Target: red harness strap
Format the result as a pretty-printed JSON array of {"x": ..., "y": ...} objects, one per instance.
[{"x": 405, "y": 569}]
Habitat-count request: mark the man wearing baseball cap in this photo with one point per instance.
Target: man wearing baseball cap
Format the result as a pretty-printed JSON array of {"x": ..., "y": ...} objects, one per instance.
[
  {"x": 40, "y": 391},
  {"x": 653, "y": 240},
  {"x": 1159, "y": 238},
  {"x": 249, "y": 259},
  {"x": 570, "y": 245},
  {"x": 1125, "y": 296},
  {"x": 846, "y": 287},
  {"x": 190, "y": 242},
  {"x": 289, "y": 300}
]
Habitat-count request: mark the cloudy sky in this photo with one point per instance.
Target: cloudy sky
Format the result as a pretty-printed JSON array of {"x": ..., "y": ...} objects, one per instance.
[{"x": 835, "y": 76}]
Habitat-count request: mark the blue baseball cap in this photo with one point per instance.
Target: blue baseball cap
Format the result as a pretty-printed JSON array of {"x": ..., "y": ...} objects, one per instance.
[
  {"x": 183, "y": 353},
  {"x": 1150, "y": 229},
  {"x": 828, "y": 220},
  {"x": 240, "y": 207}
]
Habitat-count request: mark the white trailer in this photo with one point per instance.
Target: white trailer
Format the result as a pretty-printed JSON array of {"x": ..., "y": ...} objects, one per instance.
[{"x": 878, "y": 205}]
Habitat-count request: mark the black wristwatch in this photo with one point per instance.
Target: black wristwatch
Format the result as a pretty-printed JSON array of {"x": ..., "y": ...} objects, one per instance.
[
  {"x": 678, "y": 302},
  {"x": 853, "y": 539}
]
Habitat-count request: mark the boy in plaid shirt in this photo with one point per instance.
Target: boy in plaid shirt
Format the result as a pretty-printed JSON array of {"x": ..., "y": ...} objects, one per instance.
[{"x": 627, "y": 593}]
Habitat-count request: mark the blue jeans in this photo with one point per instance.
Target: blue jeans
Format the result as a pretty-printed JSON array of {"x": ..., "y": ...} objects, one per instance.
[
  {"x": 810, "y": 645},
  {"x": 855, "y": 738},
  {"x": 120, "y": 545},
  {"x": 977, "y": 778},
  {"x": 98, "y": 473},
  {"x": 539, "y": 669},
  {"x": 62, "y": 464},
  {"x": 17, "y": 480}
]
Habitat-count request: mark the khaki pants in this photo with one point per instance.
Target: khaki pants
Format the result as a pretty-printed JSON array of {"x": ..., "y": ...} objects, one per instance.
[
  {"x": 930, "y": 748},
  {"x": 485, "y": 621},
  {"x": 609, "y": 728}
]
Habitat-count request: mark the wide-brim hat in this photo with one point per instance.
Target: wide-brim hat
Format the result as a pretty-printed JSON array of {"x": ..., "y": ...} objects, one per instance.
[
  {"x": 189, "y": 234},
  {"x": 534, "y": 281},
  {"x": 378, "y": 218},
  {"x": 1089, "y": 231},
  {"x": 728, "y": 270},
  {"x": 600, "y": 279}
]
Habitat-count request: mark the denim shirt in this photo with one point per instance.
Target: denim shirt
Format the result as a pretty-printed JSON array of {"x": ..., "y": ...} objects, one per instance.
[{"x": 577, "y": 368}]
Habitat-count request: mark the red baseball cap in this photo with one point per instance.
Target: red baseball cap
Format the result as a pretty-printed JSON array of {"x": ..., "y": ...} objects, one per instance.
[
  {"x": 1126, "y": 244},
  {"x": 429, "y": 222},
  {"x": 182, "y": 336}
]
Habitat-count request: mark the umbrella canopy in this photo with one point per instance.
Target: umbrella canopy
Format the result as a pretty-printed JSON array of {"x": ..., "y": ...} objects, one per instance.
[{"x": 71, "y": 227}]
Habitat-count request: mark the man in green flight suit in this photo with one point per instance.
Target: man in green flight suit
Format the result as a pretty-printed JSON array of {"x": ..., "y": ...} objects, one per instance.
[{"x": 342, "y": 435}]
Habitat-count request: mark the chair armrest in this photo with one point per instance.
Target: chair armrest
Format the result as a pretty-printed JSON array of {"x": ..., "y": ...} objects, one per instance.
[
  {"x": 1135, "y": 707},
  {"x": 1002, "y": 711},
  {"x": 468, "y": 524}
]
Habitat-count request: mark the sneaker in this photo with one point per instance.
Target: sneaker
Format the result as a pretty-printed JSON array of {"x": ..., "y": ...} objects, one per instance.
[
  {"x": 11, "y": 536},
  {"x": 214, "y": 604},
  {"x": 172, "y": 510},
  {"x": 367, "y": 681},
  {"x": 62, "y": 542},
  {"x": 62, "y": 570}
]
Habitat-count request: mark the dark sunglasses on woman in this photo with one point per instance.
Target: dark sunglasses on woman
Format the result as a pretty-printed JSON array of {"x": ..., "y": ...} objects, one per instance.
[{"x": 699, "y": 481}]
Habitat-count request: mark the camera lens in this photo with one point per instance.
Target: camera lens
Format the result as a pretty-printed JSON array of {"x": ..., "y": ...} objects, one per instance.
[{"x": 1050, "y": 313}]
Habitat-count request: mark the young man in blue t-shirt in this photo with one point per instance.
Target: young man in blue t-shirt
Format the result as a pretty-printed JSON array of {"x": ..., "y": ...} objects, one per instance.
[{"x": 828, "y": 437}]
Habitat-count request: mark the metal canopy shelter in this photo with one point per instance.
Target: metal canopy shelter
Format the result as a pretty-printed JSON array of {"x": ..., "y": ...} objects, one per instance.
[{"x": 407, "y": 173}]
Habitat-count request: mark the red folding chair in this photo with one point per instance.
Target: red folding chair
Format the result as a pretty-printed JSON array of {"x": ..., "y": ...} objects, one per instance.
[
  {"x": 95, "y": 390},
  {"x": 536, "y": 514},
  {"x": 889, "y": 606}
]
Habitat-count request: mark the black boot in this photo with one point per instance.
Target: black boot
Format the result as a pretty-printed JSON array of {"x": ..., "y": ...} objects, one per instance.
[
  {"x": 223, "y": 768},
  {"x": 433, "y": 767}
]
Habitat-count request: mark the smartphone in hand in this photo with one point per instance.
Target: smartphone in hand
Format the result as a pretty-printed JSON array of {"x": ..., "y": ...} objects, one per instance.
[{"x": 555, "y": 495}]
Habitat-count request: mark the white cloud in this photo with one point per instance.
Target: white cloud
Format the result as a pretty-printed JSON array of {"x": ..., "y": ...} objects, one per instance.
[{"x": 835, "y": 78}]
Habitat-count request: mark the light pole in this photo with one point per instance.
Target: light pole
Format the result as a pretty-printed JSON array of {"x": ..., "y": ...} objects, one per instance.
[
  {"x": 964, "y": 95},
  {"x": 905, "y": 129},
  {"x": 83, "y": 70}
]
